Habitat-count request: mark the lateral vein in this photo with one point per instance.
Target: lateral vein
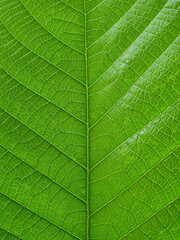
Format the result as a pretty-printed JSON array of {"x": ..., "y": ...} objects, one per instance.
[
  {"x": 61, "y": 108},
  {"x": 44, "y": 138},
  {"x": 40, "y": 216},
  {"x": 43, "y": 174},
  {"x": 163, "y": 112},
  {"x": 135, "y": 181},
  {"x": 10, "y": 233},
  {"x": 150, "y": 217},
  {"x": 41, "y": 56}
]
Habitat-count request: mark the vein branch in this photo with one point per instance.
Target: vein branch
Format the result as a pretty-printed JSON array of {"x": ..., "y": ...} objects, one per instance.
[
  {"x": 136, "y": 133},
  {"x": 134, "y": 182},
  {"x": 7, "y": 231},
  {"x": 52, "y": 180},
  {"x": 44, "y": 138},
  {"x": 20, "y": 204},
  {"x": 41, "y": 57},
  {"x": 161, "y": 209},
  {"x": 63, "y": 109}
]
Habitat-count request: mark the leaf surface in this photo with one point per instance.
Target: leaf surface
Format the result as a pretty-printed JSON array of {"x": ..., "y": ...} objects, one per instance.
[{"x": 89, "y": 109}]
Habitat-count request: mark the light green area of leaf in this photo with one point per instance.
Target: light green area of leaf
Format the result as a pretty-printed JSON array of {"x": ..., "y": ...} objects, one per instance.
[{"x": 89, "y": 120}]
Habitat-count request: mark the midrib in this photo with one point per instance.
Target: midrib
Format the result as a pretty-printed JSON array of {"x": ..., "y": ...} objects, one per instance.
[{"x": 87, "y": 112}]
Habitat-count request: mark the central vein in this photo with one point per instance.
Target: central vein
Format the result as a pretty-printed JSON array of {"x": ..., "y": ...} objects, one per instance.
[{"x": 87, "y": 110}]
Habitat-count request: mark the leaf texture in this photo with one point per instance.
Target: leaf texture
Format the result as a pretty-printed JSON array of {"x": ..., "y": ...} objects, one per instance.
[{"x": 89, "y": 110}]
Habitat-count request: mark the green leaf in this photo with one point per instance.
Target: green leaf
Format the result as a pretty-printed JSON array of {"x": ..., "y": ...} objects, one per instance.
[{"x": 89, "y": 130}]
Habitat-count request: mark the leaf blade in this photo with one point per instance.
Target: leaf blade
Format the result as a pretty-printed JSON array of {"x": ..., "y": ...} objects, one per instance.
[{"x": 89, "y": 111}]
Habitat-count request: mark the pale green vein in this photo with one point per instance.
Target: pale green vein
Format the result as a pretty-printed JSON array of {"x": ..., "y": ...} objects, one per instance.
[
  {"x": 96, "y": 6},
  {"x": 154, "y": 119},
  {"x": 146, "y": 70},
  {"x": 129, "y": 46},
  {"x": 48, "y": 31},
  {"x": 41, "y": 56},
  {"x": 7, "y": 231},
  {"x": 144, "y": 175},
  {"x": 111, "y": 26},
  {"x": 44, "y": 139},
  {"x": 150, "y": 217},
  {"x": 52, "y": 180},
  {"x": 71, "y": 7},
  {"x": 43, "y": 96},
  {"x": 87, "y": 106},
  {"x": 20, "y": 204}
]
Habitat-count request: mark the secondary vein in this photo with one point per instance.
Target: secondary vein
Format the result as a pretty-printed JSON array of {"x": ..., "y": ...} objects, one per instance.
[
  {"x": 50, "y": 143},
  {"x": 37, "y": 214},
  {"x": 37, "y": 170}
]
